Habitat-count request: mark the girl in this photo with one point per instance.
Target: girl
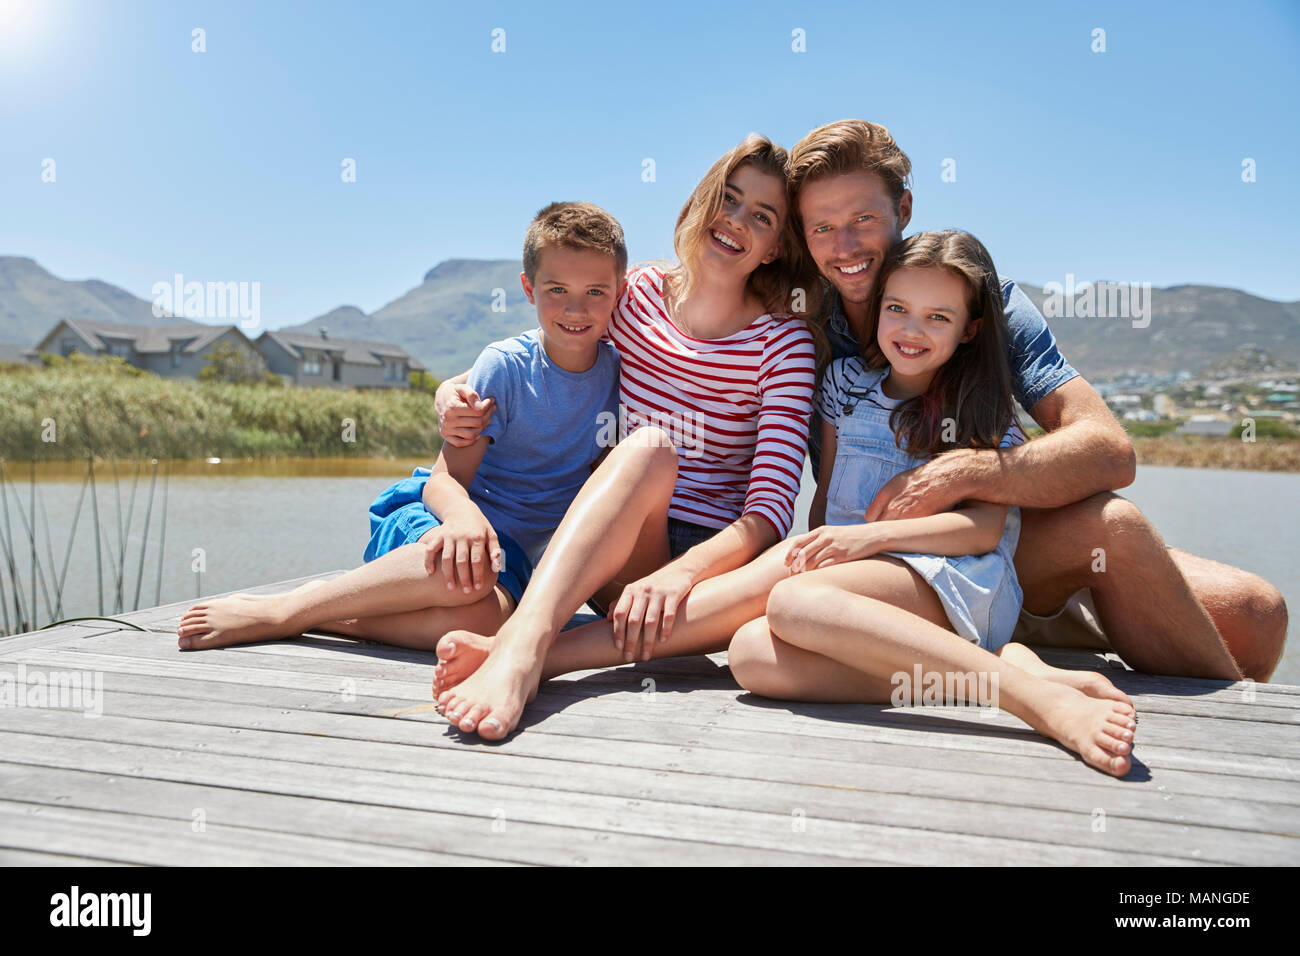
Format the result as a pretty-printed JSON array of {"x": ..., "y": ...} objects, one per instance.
[
  {"x": 870, "y": 608},
  {"x": 716, "y": 392}
]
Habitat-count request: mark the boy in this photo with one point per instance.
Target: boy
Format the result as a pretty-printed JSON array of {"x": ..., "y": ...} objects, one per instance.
[{"x": 454, "y": 547}]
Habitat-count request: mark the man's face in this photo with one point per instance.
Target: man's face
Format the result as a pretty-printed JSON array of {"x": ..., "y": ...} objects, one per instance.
[{"x": 849, "y": 224}]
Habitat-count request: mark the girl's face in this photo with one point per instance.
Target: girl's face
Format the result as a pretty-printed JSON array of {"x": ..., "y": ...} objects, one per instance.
[
  {"x": 923, "y": 318},
  {"x": 747, "y": 230}
]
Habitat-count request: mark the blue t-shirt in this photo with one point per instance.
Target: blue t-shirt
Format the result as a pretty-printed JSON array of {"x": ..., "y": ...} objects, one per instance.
[
  {"x": 549, "y": 428},
  {"x": 1037, "y": 366}
]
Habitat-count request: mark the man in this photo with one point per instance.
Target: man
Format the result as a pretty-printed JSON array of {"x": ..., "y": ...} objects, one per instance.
[{"x": 1162, "y": 610}]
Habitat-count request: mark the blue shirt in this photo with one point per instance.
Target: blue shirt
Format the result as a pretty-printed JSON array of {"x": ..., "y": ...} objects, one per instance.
[
  {"x": 549, "y": 428},
  {"x": 1037, "y": 366}
]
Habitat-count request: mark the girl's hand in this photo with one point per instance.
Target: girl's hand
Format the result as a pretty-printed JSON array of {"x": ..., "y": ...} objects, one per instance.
[
  {"x": 832, "y": 544},
  {"x": 467, "y": 547},
  {"x": 646, "y": 610}
]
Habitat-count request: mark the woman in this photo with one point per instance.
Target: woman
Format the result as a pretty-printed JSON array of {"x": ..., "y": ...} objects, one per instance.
[{"x": 711, "y": 356}]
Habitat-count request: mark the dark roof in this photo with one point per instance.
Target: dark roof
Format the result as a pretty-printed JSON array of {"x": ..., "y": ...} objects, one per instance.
[
  {"x": 146, "y": 339},
  {"x": 355, "y": 351}
]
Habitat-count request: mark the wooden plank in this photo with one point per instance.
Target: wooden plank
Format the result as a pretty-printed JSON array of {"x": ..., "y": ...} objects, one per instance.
[
  {"x": 423, "y": 829},
  {"x": 536, "y": 755},
  {"x": 466, "y": 769},
  {"x": 1238, "y": 738},
  {"x": 11, "y": 857},
  {"x": 704, "y": 824},
  {"x": 361, "y": 660},
  {"x": 134, "y": 838},
  {"x": 613, "y": 740},
  {"x": 700, "y": 710}
]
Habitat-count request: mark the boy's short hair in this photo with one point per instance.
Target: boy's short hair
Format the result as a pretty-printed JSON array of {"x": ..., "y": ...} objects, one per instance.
[
  {"x": 850, "y": 146},
  {"x": 574, "y": 225}
]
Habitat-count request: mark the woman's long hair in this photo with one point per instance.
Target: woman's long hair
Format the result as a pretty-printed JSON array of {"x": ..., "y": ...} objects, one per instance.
[
  {"x": 790, "y": 283},
  {"x": 968, "y": 403}
]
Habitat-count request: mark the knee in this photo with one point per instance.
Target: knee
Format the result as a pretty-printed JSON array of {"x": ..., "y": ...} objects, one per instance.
[
  {"x": 752, "y": 659},
  {"x": 652, "y": 451},
  {"x": 786, "y": 601},
  {"x": 1263, "y": 619}
]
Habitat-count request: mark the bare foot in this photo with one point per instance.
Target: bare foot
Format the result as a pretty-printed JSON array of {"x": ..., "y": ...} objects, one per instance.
[
  {"x": 459, "y": 654},
  {"x": 1089, "y": 682},
  {"x": 491, "y": 700},
  {"x": 237, "y": 619},
  {"x": 1099, "y": 731}
]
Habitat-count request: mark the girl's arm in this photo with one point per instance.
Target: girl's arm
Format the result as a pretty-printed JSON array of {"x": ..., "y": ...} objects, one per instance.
[
  {"x": 973, "y": 528},
  {"x": 817, "y": 512}
]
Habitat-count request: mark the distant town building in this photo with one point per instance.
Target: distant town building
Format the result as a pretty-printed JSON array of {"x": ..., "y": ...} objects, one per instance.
[
  {"x": 302, "y": 358},
  {"x": 1203, "y": 425},
  {"x": 173, "y": 351},
  {"x": 1164, "y": 406}
]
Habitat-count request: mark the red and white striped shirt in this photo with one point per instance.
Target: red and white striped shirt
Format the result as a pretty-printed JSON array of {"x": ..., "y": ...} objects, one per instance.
[{"x": 737, "y": 408}]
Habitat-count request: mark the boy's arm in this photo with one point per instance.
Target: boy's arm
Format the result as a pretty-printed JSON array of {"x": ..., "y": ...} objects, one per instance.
[
  {"x": 462, "y": 415},
  {"x": 817, "y": 511},
  {"x": 467, "y": 542},
  {"x": 1085, "y": 451}
]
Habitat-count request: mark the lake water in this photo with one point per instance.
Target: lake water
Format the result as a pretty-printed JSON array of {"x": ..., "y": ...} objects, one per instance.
[{"x": 247, "y": 523}]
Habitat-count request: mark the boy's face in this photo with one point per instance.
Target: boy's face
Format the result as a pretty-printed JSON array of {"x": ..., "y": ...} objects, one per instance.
[
  {"x": 849, "y": 225},
  {"x": 575, "y": 293}
]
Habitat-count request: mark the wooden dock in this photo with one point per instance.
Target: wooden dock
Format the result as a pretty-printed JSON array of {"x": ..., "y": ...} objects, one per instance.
[{"x": 324, "y": 750}]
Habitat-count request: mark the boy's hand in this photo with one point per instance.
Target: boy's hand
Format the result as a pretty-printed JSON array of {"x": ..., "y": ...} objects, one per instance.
[
  {"x": 646, "y": 611},
  {"x": 462, "y": 415},
  {"x": 831, "y": 544},
  {"x": 467, "y": 547}
]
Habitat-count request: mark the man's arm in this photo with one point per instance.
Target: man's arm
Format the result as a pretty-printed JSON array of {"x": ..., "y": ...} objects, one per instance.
[{"x": 1085, "y": 451}]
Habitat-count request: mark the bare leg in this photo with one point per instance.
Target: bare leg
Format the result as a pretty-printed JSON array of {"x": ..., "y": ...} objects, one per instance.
[
  {"x": 394, "y": 582},
  {"x": 1151, "y": 615},
  {"x": 824, "y": 612},
  {"x": 623, "y": 506},
  {"x": 706, "y": 621},
  {"x": 764, "y": 664},
  {"x": 1248, "y": 612},
  {"x": 421, "y": 630}
]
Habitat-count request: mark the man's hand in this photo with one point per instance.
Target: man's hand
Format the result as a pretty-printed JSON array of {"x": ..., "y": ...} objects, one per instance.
[
  {"x": 928, "y": 489},
  {"x": 466, "y": 548},
  {"x": 646, "y": 611},
  {"x": 462, "y": 415}
]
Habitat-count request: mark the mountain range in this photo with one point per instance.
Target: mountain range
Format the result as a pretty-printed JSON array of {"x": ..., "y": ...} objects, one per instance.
[{"x": 462, "y": 304}]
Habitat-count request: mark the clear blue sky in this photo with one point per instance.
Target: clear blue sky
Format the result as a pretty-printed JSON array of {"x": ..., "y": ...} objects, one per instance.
[{"x": 225, "y": 165}]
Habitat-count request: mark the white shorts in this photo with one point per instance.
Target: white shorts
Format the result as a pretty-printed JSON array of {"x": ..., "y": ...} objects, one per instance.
[{"x": 1075, "y": 625}]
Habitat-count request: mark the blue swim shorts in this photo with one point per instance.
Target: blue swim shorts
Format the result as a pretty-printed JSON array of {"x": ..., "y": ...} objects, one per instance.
[{"x": 398, "y": 516}]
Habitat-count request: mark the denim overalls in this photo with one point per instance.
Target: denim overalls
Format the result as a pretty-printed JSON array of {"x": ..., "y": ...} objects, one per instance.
[{"x": 980, "y": 593}]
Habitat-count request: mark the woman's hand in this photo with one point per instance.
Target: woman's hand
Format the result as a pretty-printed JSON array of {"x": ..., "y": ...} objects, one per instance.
[
  {"x": 832, "y": 544},
  {"x": 467, "y": 547},
  {"x": 647, "y": 609}
]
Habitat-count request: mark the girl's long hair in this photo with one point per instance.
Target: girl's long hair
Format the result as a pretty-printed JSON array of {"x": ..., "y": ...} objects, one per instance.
[
  {"x": 968, "y": 403},
  {"x": 790, "y": 283}
]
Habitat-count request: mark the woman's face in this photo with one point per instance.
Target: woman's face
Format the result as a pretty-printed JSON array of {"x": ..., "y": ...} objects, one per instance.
[{"x": 746, "y": 233}]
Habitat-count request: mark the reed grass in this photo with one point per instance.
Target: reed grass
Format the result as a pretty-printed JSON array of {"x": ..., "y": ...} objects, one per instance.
[{"x": 106, "y": 408}]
